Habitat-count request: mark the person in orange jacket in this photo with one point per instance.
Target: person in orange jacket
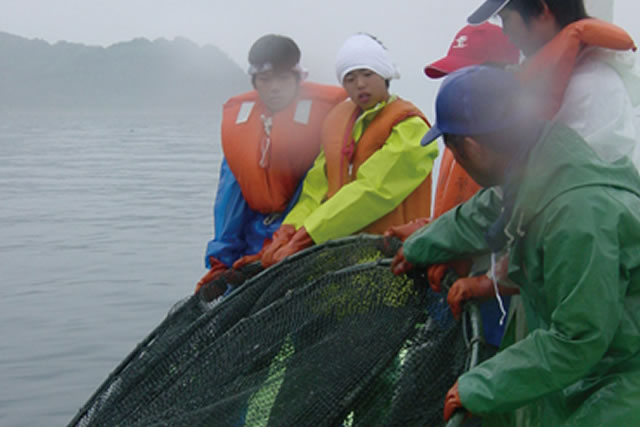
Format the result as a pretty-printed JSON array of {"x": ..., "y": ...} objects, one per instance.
[
  {"x": 473, "y": 45},
  {"x": 270, "y": 138},
  {"x": 483, "y": 44}
]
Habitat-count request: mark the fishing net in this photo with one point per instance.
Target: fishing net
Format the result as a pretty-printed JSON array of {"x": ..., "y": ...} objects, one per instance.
[{"x": 329, "y": 337}]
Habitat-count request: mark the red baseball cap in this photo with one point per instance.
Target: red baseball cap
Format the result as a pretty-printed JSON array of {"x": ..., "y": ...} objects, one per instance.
[{"x": 475, "y": 45}]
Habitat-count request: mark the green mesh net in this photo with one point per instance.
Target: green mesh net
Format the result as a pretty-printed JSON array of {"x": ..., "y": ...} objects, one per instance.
[{"x": 329, "y": 337}]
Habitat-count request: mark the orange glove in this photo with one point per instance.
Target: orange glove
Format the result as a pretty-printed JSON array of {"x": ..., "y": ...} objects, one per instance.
[
  {"x": 467, "y": 288},
  {"x": 399, "y": 264},
  {"x": 403, "y": 231},
  {"x": 280, "y": 238},
  {"x": 217, "y": 268},
  {"x": 452, "y": 402},
  {"x": 436, "y": 272},
  {"x": 298, "y": 242},
  {"x": 480, "y": 287},
  {"x": 250, "y": 259}
]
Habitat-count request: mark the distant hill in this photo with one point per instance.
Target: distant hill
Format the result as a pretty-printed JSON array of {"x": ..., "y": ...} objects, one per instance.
[{"x": 138, "y": 74}]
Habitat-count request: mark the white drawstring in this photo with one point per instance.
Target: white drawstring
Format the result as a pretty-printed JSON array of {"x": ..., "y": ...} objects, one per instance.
[
  {"x": 267, "y": 122},
  {"x": 495, "y": 288},
  {"x": 519, "y": 229}
]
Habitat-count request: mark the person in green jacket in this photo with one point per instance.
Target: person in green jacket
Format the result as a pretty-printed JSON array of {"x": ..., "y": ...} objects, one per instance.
[{"x": 572, "y": 225}]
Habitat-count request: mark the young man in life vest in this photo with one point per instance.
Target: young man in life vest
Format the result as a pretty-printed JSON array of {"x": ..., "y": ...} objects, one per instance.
[
  {"x": 571, "y": 222},
  {"x": 371, "y": 173},
  {"x": 270, "y": 138}
]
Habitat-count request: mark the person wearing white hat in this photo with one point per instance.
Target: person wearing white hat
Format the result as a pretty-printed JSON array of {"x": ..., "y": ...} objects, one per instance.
[{"x": 371, "y": 173}]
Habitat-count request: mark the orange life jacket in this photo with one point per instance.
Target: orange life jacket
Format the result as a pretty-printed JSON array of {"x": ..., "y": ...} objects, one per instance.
[
  {"x": 454, "y": 187},
  {"x": 269, "y": 159},
  {"x": 548, "y": 72},
  {"x": 344, "y": 156}
]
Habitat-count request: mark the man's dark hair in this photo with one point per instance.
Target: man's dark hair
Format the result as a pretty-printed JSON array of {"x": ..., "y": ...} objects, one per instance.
[
  {"x": 565, "y": 11},
  {"x": 452, "y": 141},
  {"x": 511, "y": 139},
  {"x": 279, "y": 51}
]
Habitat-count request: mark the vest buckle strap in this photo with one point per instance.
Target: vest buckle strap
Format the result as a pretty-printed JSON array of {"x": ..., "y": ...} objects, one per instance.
[
  {"x": 271, "y": 218},
  {"x": 265, "y": 146}
]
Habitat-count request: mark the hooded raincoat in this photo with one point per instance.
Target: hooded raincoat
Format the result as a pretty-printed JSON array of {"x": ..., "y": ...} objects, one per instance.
[{"x": 574, "y": 239}]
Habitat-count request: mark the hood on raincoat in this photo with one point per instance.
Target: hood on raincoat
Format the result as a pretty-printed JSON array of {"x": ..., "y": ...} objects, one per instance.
[{"x": 555, "y": 173}]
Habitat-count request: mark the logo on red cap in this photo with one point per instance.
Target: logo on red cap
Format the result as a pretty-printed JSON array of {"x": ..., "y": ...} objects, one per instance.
[{"x": 460, "y": 42}]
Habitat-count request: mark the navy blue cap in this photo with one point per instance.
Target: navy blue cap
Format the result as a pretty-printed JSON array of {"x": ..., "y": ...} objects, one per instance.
[
  {"x": 478, "y": 100},
  {"x": 488, "y": 9}
]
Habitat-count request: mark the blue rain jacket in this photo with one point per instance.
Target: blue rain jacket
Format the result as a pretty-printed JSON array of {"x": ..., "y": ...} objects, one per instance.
[{"x": 238, "y": 229}]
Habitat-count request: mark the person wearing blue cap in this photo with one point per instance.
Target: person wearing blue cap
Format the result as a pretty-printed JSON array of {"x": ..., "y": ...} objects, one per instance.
[{"x": 571, "y": 223}]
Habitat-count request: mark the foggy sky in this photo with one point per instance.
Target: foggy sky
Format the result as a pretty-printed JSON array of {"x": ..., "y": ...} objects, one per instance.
[{"x": 415, "y": 31}]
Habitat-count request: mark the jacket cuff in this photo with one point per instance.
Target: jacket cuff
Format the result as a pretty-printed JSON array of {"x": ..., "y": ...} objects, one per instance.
[{"x": 471, "y": 392}]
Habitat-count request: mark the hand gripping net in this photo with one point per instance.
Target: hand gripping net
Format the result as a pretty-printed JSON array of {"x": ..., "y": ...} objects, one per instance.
[{"x": 328, "y": 337}]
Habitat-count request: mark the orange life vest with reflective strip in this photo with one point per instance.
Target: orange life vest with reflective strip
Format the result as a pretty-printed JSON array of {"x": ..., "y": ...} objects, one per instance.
[
  {"x": 344, "y": 156},
  {"x": 270, "y": 153}
]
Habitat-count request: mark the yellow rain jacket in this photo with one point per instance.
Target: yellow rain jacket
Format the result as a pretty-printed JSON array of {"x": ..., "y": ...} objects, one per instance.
[{"x": 374, "y": 185}]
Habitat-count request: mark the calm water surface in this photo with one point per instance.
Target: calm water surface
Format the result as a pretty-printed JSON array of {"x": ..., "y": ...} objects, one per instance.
[{"x": 103, "y": 224}]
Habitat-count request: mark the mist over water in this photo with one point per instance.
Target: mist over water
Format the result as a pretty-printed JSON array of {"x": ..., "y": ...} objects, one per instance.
[{"x": 104, "y": 220}]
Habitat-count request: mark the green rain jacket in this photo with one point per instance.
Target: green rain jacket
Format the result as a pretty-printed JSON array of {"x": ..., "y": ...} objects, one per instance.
[
  {"x": 383, "y": 181},
  {"x": 575, "y": 250}
]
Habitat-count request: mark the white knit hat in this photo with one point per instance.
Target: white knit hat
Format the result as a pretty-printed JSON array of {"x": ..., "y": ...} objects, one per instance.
[{"x": 361, "y": 51}]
